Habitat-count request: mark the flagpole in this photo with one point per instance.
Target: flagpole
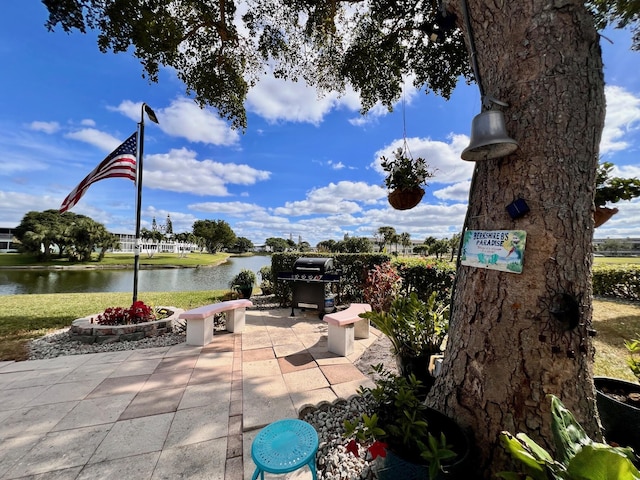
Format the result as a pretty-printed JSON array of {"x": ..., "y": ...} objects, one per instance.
[{"x": 136, "y": 248}]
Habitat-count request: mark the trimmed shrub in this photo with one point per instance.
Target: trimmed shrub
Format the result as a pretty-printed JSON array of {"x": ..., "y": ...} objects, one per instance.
[
  {"x": 621, "y": 281},
  {"x": 424, "y": 276}
]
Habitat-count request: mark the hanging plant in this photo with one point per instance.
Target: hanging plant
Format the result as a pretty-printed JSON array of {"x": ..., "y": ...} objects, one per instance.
[{"x": 405, "y": 179}]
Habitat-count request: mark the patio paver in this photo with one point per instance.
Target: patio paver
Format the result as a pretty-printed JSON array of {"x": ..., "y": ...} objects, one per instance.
[{"x": 168, "y": 412}]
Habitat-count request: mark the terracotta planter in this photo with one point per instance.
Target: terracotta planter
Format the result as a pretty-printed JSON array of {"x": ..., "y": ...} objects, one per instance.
[
  {"x": 602, "y": 214},
  {"x": 405, "y": 199}
]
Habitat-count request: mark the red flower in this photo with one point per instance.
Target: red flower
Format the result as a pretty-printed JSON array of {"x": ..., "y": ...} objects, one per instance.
[
  {"x": 352, "y": 447},
  {"x": 378, "y": 449}
]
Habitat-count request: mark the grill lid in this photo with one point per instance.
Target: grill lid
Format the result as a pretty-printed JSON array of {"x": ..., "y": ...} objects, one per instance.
[{"x": 313, "y": 265}]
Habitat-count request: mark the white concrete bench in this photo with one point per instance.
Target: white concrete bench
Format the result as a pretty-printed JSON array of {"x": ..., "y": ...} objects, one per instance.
[
  {"x": 345, "y": 326},
  {"x": 200, "y": 320}
]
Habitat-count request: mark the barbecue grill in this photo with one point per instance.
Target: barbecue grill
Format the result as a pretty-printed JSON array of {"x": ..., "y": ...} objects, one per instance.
[{"x": 311, "y": 280}]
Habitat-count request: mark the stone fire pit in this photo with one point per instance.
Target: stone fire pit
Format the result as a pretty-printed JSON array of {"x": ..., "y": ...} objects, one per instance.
[{"x": 85, "y": 330}]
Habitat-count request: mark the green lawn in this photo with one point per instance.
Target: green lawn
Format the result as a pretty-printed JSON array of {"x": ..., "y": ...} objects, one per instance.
[
  {"x": 24, "y": 317},
  {"x": 616, "y": 260}
]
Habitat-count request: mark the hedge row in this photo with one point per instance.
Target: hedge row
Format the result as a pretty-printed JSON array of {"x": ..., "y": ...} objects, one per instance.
[
  {"x": 418, "y": 275},
  {"x": 424, "y": 276},
  {"x": 622, "y": 281}
]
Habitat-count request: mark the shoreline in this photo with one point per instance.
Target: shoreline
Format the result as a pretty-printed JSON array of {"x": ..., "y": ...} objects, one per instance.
[{"x": 118, "y": 266}]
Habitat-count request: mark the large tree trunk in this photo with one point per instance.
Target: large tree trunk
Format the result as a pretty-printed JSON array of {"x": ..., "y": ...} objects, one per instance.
[{"x": 543, "y": 58}]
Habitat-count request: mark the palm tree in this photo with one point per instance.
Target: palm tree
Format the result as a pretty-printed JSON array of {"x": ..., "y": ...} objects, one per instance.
[
  {"x": 107, "y": 241},
  {"x": 405, "y": 241}
]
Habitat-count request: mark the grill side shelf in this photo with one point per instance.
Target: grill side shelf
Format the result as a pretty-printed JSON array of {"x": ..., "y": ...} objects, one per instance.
[{"x": 308, "y": 277}]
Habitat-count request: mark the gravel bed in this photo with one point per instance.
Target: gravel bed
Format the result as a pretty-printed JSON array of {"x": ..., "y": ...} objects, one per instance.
[
  {"x": 60, "y": 343},
  {"x": 333, "y": 462}
]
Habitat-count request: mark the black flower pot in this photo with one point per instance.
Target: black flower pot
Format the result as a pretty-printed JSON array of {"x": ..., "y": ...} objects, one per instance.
[
  {"x": 245, "y": 291},
  {"x": 419, "y": 366},
  {"x": 395, "y": 467},
  {"x": 620, "y": 420}
]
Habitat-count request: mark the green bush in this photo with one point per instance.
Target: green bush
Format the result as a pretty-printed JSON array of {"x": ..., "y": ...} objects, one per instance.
[
  {"x": 621, "y": 281},
  {"x": 266, "y": 277},
  {"x": 245, "y": 278},
  {"x": 424, "y": 276}
]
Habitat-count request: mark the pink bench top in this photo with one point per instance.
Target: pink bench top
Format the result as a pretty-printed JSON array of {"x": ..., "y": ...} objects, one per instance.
[
  {"x": 348, "y": 316},
  {"x": 208, "y": 310}
]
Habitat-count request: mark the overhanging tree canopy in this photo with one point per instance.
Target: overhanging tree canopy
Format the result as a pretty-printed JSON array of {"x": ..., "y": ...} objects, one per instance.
[{"x": 542, "y": 57}]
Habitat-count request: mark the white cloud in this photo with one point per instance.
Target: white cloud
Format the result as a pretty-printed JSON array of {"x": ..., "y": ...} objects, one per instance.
[
  {"x": 180, "y": 171},
  {"x": 308, "y": 207},
  {"x": 282, "y": 100},
  {"x": 622, "y": 118},
  {"x": 342, "y": 197},
  {"x": 95, "y": 137},
  {"x": 183, "y": 118},
  {"x": 239, "y": 209},
  {"x": 336, "y": 165},
  {"x": 25, "y": 151},
  {"x": 87, "y": 122},
  {"x": 46, "y": 127},
  {"x": 626, "y": 171},
  {"x": 457, "y": 192},
  {"x": 371, "y": 116},
  {"x": 14, "y": 205}
]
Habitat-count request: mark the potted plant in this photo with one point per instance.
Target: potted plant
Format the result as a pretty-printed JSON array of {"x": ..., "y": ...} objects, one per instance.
[
  {"x": 619, "y": 403},
  {"x": 266, "y": 276},
  {"x": 579, "y": 457},
  {"x": 611, "y": 190},
  {"x": 406, "y": 438},
  {"x": 405, "y": 178},
  {"x": 416, "y": 330},
  {"x": 243, "y": 282}
]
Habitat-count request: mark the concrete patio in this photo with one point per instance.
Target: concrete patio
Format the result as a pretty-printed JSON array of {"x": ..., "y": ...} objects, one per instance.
[{"x": 171, "y": 412}]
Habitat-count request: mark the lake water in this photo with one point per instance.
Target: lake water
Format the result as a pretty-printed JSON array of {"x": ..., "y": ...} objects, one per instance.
[{"x": 14, "y": 282}]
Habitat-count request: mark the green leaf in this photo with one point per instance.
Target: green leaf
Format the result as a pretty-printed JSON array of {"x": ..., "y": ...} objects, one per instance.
[
  {"x": 519, "y": 451},
  {"x": 601, "y": 462},
  {"x": 568, "y": 434}
]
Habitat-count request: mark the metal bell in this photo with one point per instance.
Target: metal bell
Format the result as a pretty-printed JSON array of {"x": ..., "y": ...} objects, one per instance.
[{"x": 489, "y": 138}]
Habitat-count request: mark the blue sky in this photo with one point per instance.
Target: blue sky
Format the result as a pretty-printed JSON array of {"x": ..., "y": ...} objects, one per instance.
[{"x": 306, "y": 167}]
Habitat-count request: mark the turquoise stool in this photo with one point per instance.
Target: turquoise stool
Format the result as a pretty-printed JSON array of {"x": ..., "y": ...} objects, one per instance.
[{"x": 285, "y": 446}]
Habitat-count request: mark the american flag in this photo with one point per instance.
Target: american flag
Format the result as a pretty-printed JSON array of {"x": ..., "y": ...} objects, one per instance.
[{"x": 119, "y": 163}]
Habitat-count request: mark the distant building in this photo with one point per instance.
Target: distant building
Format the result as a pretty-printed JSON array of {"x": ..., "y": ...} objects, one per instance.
[
  {"x": 7, "y": 240},
  {"x": 128, "y": 242}
]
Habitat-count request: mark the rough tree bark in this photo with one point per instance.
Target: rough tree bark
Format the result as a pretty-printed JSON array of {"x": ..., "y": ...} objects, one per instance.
[{"x": 543, "y": 58}]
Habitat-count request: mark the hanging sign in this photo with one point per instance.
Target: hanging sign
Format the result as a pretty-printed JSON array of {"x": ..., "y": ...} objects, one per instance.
[{"x": 494, "y": 249}]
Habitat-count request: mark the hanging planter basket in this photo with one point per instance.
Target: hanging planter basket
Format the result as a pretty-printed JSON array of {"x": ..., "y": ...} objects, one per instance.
[
  {"x": 405, "y": 199},
  {"x": 602, "y": 214}
]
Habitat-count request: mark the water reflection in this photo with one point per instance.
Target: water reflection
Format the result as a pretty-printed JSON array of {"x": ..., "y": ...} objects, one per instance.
[{"x": 13, "y": 282}]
